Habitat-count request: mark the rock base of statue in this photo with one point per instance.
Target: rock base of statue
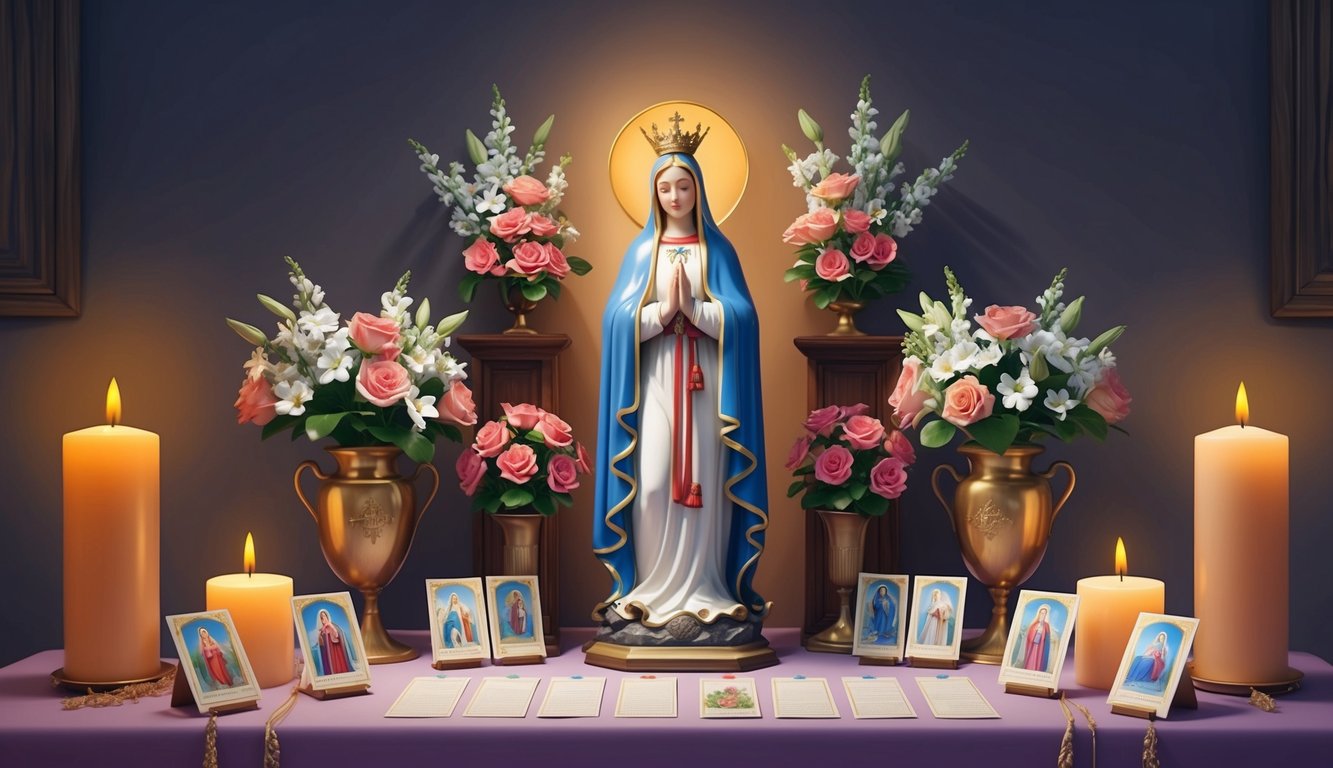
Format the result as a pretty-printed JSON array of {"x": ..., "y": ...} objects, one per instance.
[{"x": 684, "y": 644}]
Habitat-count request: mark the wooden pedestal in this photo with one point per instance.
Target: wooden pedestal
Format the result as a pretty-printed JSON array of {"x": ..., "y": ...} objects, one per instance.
[
  {"x": 518, "y": 368},
  {"x": 845, "y": 370}
]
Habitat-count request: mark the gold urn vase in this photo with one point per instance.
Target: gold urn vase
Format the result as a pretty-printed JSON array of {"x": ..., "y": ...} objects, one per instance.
[
  {"x": 846, "y": 535},
  {"x": 367, "y": 516},
  {"x": 1002, "y": 513},
  {"x": 522, "y": 541}
]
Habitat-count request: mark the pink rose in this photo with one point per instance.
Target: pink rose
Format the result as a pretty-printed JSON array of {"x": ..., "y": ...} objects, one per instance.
[
  {"x": 863, "y": 247},
  {"x": 482, "y": 257},
  {"x": 389, "y": 352},
  {"x": 556, "y": 263},
  {"x": 471, "y": 469},
  {"x": 527, "y": 191},
  {"x": 1109, "y": 397},
  {"x": 836, "y": 187},
  {"x": 966, "y": 401},
  {"x": 908, "y": 398},
  {"x": 371, "y": 333},
  {"x": 855, "y": 221},
  {"x": 543, "y": 226},
  {"x": 848, "y": 411},
  {"x": 832, "y": 265},
  {"x": 900, "y": 447},
  {"x": 523, "y": 416},
  {"x": 255, "y": 401},
  {"x": 886, "y": 250},
  {"x": 457, "y": 407},
  {"x": 584, "y": 462},
  {"x": 555, "y": 432},
  {"x": 863, "y": 432},
  {"x": 518, "y": 463},
  {"x": 562, "y": 474},
  {"x": 1007, "y": 322},
  {"x": 834, "y": 465},
  {"x": 888, "y": 478},
  {"x": 798, "y": 452},
  {"x": 821, "y": 420},
  {"x": 383, "y": 382},
  {"x": 814, "y": 227},
  {"x": 511, "y": 224},
  {"x": 491, "y": 439},
  {"x": 530, "y": 258}
]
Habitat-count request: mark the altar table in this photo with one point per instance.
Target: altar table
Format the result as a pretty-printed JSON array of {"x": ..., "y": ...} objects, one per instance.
[{"x": 1224, "y": 730}]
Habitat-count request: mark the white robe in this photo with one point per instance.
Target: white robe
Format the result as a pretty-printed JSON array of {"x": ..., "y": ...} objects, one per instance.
[
  {"x": 680, "y": 553},
  {"x": 936, "y": 630}
]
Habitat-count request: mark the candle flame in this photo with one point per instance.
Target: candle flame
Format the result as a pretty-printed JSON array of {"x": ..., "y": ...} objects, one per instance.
[
  {"x": 1242, "y": 405},
  {"x": 113, "y": 403},
  {"x": 249, "y": 554},
  {"x": 1121, "y": 562}
]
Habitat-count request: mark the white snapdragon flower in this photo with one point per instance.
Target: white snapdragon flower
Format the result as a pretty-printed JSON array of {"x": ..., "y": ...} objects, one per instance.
[
  {"x": 257, "y": 364},
  {"x": 450, "y": 368},
  {"x": 571, "y": 234},
  {"x": 988, "y": 356},
  {"x": 1018, "y": 393},
  {"x": 395, "y": 307},
  {"x": 292, "y": 397},
  {"x": 285, "y": 372},
  {"x": 958, "y": 358},
  {"x": 319, "y": 323},
  {"x": 491, "y": 201},
  {"x": 1059, "y": 402},
  {"x": 420, "y": 408},
  {"x": 420, "y": 360}
]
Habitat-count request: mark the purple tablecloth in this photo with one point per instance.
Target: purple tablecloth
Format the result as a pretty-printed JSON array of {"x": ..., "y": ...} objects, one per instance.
[{"x": 1224, "y": 730}]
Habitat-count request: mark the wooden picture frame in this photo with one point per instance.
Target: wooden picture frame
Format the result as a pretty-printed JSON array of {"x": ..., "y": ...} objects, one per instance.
[
  {"x": 40, "y": 229},
  {"x": 1301, "y": 148}
]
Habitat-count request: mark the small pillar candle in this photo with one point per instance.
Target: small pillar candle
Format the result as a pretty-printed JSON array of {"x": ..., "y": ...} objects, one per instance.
[
  {"x": 1108, "y": 606},
  {"x": 261, "y": 608}
]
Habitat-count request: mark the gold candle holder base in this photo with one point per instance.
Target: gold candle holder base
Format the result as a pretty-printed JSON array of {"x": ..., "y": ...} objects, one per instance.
[
  {"x": 59, "y": 678},
  {"x": 1290, "y": 681}
]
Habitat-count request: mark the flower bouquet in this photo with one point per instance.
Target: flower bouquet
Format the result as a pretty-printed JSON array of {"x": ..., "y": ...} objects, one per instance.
[
  {"x": 846, "y": 247},
  {"x": 528, "y": 458},
  {"x": 374, "y": 380},
  {"x": 1018, "y": 377},
  {"x": 511, "y": 219},
  {"x": 848, "y": 461}
]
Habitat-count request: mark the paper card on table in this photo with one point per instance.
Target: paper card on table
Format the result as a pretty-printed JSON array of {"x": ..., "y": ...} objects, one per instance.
[
  {"x": 803, "y": 697},
  {"x": 728, "y": 697},
  {"x": 1152, "y": 665},
  {"x": 429, "y": 697},
  {"x": 647, "y": 697},
  {"x": 955, "y": 698},
  {"x": 573, "y": 697},
  {"x": 1038, "y": 639},
  {"x": 877, "y": 697},
  {"x": 936, "y": 626},
  {"x": 503, "y": 697}
]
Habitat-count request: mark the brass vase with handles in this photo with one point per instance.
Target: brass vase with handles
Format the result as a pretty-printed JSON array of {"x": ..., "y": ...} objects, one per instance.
[
  {"x": 846, "y": 536},
  {"x": 522, "y": 541},
  {"x": 367, "y": 516},
  {"x": 1002, "y": 513}
]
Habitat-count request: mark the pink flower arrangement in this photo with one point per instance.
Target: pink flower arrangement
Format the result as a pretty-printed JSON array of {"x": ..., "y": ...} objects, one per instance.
[
  {"x": 526, "y": 458},
  {"x": 511, "y": 219},
  {"x": 848, "y": 460}
]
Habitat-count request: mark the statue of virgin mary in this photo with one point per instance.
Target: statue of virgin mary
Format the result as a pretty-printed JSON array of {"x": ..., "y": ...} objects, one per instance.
[{"x": 681, "y": 500}]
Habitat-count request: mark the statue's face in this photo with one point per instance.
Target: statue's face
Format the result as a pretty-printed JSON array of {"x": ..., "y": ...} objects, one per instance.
[{"x": 676, "y": 192}]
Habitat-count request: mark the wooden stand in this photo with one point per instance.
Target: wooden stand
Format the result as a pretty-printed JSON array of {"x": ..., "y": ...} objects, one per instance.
[
  {"x": 516, "y": 661},
  {"x": 1185, "y": 698},
  {"x": 518, "y": 368},
  {"x": 916, "y": 661},
  {"x": 335, "y": 693},
  {"x": 875, "y": 661},
  {"x": 456, "y": 664},
  {"x": 1031, "y": 690},
  {"x": 845, "y": 370}
]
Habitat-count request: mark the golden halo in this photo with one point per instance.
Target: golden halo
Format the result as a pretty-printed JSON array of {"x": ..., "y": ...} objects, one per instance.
[{"x": 721, "y": 156}]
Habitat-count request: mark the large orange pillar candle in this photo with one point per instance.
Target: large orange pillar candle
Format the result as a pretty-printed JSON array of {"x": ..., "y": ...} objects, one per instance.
[
  {"x": 111, "y": 508},
  {"x": 1108, "y": 606},
  {"x": 1240, "y": 552},
  {"x": 261, "y": 608}
]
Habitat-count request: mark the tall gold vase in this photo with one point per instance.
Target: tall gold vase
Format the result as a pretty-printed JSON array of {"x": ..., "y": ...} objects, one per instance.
[
  {"x": 522, "y": 540},
  {"x": 846, "y": 535},
  {"x": 367, "y": 516},
  {"x": 1002, "y": 513}
]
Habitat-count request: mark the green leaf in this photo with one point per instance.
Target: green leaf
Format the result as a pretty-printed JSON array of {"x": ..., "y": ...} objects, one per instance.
[
  {"x": 842, "y": 499},
  {"x": 937, "y": 434},
  {"x": 417, "y": 447},
  {"x": 827, "y": 295},
  {"x": 801, "y": 272},
  {"x": 553, "y": 287},
  {"x": 468, "y": 286},
  {"x": 1089, "y": 420},
  {"x": 278, "y": 424},
  {"x": 563, "y": 499},
  {"x": 544, "y": 504},
  {"x": 578, "y": 266},
  {"x": 532, "y": 291},
  {"x": 320, "y": 425},
  {"x": 996, "y": 433},
  {"x": 872, "y": 504},
  {"x": 795, "y": 488},
  {"x": 516, "y": 497},
  {"x": 857, "y": 490},
  {"x": 492, "y": 505}
]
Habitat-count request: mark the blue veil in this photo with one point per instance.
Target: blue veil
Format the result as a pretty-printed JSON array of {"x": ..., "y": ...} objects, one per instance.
[{"x": 737, "y": 396}]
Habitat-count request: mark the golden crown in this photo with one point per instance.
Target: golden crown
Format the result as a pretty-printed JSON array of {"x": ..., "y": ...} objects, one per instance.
[{"x": 674, "y": 140}]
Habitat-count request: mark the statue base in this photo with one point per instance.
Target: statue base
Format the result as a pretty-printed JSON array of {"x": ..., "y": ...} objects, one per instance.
[{"x": 684, "y": 644}]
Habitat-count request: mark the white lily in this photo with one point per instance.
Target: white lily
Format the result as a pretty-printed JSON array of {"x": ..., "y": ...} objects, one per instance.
[
  {"x": 1060, "y": 403},
  {"x": 420, "y": 408},
  {"x": 492, "y": 201},
  {"x": 1018, "y": 393},
  {"x": 292, "y": 397}
]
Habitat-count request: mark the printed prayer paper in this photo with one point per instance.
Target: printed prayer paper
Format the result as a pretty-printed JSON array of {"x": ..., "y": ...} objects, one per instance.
[
  {"x": 877, "y": 697},
  {"x": 429, "y": 697},
  {"x": 569, "y": 697},
  {"x": 728, "y": 697},
  {"x": 647, "y": 697},
  {"x": 951, "y": 698},
  {"x": 503, "y": 697},
  {"x": 803, "y": 697}
]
